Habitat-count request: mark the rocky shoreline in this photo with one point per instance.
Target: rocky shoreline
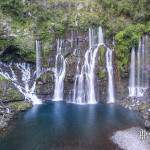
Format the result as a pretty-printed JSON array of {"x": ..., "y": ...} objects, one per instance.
[
  {"x": 142, "y": 106},
  {"x": 8, "y": 110}
]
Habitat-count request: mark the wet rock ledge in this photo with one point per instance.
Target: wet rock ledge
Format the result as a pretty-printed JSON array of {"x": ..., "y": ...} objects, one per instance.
[{"x": 8, "y": 110}]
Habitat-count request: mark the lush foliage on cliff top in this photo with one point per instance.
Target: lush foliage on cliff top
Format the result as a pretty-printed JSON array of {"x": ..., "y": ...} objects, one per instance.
[{"x": 22, "y": 21}]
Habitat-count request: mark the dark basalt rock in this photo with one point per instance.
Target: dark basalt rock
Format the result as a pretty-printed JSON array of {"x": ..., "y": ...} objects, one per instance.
[
  {"x": 45, "y": 85},
  {"x": 147, "y": 124},
  {"x": 11, "y": 53},
  {"x": 140, "y": 105}
]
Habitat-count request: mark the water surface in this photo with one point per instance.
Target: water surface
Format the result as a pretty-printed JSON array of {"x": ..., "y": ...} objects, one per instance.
[{"x": 60, "y": 126}]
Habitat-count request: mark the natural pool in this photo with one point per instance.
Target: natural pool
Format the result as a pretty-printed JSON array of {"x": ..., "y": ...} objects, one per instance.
[{"x": 61, "y": 126}]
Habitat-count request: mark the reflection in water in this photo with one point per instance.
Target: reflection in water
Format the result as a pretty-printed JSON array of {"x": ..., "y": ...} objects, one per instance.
[
  {"x": 32, "y": 113},
  {"x": 67, "y": 126}
]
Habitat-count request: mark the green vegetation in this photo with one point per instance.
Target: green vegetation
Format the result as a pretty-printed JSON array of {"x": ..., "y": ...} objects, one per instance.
[
  {"x": 13, "y": 94},
  {"x": 102, "y": 74},
  {"x": 20, "y": 106},
  {"x": 8, "y": 92},
  {"x": 125, "y": 40},
  {"x": 21, "y": 22},
  {"x": 102, "y": 71},
  {"x": 2, "y": 78},
  {"x": 102, "y": 55}
]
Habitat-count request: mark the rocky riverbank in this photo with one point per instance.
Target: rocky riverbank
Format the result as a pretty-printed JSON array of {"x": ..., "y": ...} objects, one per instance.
[
  {"x": 11, "y": 101},
  {"x": 8, "y": 110},
  {"x": 141, "y": 105}
]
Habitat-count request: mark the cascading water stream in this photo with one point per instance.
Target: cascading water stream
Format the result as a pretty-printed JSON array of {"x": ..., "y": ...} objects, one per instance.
[
  {"x": 59, "y": 73},
  {"x": 38, "y": 58},
  {"x": 109, "y": 66},
  {"x": 132, "y": 81},
  {"x": 84, "y": 86},
  {"x": 141, "y": 88},
  {"x": 138, "y": 82},
  {"x": 78, "y": 86},
  {"x": 24, "y": 85}
]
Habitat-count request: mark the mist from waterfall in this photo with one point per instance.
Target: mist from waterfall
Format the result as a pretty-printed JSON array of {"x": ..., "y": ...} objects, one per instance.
[
  {"x": 139, "y": 82},
  {"x": 38, "y": 58},
  {"x": 59, "y": 73},
  {"x": 109, "y": 66},
  {"x": 84, "y": 85},
  {"x": 21, "y": 77}
]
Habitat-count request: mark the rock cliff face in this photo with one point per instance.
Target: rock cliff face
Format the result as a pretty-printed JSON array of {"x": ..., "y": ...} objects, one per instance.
[
  {"x": 45, "y": 86},
  {"x": 11, "y": 102},
  {"x": 8, "y": 92},
  {"x": 74, "y": 48}
]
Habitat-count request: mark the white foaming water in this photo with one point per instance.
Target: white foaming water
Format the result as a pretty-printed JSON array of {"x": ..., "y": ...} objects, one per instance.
[
  {"x": 59, "y": 73},
  {"x": 24, "y": 86},
  {"x": 109, "y": 66},
  {"x": 139, "y": 81},
  {"x": 84, "y": 86},
  {"x": 132, "y": 84},
  {"x": 141, "y": 74},
  {"x": 38, "y": 58}
]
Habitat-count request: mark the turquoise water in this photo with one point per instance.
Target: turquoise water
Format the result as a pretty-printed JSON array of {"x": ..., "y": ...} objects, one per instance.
[{"x": 61, "y": 126}]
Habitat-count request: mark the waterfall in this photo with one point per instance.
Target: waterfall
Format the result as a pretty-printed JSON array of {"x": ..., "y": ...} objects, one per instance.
[
  {"x": 84, "y": 85},
  {"x": 109, "y": 66},
  {"x": 138, "y": 82},
  {"x": 38, "y": 58},
  {"x": 132, "y": 82},
  {"x": 78, "y": 90},
  {"x": 20, "y": 76},
  {"x": 59, "y": 73},
  {"x": 140, "y": 64}
]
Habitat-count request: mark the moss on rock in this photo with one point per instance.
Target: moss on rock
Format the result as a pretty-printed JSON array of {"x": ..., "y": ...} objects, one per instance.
[
  {"x": 8, "y": 92},
  {"x": 20, "y": 106}
]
